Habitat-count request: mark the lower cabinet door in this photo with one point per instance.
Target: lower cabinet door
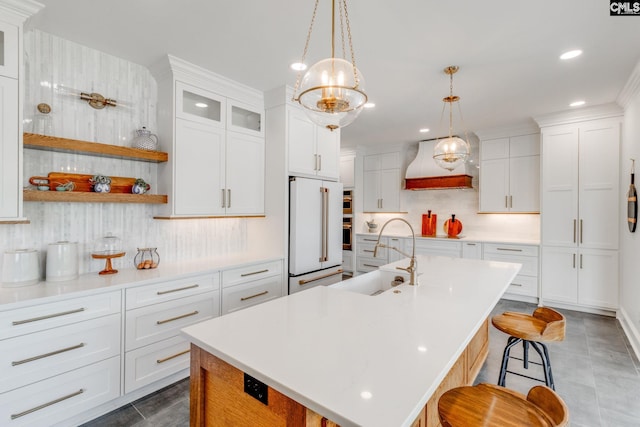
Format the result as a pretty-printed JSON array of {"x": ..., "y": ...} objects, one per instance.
[
  {"x": 252, "y": 293},
  {"x": 61, "y": 397},
  {"x": 43, "y": 354},
  {"x": 147, "y": 325},
  {"x": 559, "y": 274},
  {"x": 154, "y": 362},
  {"x": 524, "y": 285}
]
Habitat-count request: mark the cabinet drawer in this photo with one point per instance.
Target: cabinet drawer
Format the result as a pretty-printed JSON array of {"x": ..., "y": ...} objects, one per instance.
[
  {"x": 472, "y": 250},
  {"x": 369, "y": 240},
  {"x": 369, "y": 264},
  {"x": 529, "y": 264},
  {"x": 449, "y": 248},
  {"x": 252, "y": 293},
  {"x": 45, "y": 316},
  {"x": 150, "y": 324},
  {"x": 40, "y": 355},
  {"x": 524, "y": 285},
  {"x": 251, "y": 272},
  {"x": 55, "y": 399},
  {"x": 509, "y": 249},
  {"x": 166, "y": 291},
  {"x": 154, "y": 362}
]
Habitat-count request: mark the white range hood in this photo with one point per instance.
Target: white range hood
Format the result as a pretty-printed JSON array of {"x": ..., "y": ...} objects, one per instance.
[{"x": 424, "y": 174}]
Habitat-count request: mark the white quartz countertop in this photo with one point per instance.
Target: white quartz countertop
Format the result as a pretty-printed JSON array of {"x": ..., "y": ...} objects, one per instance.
[
  {"x": 11, "y": 298},
  {"x": 465, "y": 237},
  {"x": 362, "y": 360}
]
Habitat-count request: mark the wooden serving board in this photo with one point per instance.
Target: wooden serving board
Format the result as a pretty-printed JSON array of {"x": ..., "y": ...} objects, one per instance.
[{"x": 82, "y": 182}]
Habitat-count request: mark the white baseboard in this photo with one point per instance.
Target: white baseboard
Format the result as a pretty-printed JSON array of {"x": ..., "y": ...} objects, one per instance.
[{"x": 630, "y": 330}]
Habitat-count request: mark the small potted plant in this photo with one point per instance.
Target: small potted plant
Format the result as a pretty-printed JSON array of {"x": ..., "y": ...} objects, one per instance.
[
  {"x": 140, "y": 186},
  {"x": 101, "y": 183}
]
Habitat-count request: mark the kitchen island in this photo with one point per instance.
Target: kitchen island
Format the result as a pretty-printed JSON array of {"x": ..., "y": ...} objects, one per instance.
[{"x": 354, "y": 359}]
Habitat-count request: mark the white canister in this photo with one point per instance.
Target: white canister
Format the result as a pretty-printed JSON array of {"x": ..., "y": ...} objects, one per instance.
[
  {"x": 20, "y": 268},
  {"x": 62, "y": 261}
]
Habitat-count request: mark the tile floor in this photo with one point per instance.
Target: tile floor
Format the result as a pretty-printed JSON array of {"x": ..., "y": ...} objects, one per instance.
[{"x": 595, "y": 372}]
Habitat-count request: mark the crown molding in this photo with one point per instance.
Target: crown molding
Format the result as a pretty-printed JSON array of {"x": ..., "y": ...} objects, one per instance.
[
  {"x": 631, "y": 89},
  {"x": 17, "y": 11},
  {"x": 529, "y": 128},
  {"x": 579, "y": 115}
]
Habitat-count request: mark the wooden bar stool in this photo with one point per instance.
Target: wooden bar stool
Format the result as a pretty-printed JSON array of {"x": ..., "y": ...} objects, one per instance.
[
  {"x": 492, "y": 405},
  {"x": 543, "y": 325}
]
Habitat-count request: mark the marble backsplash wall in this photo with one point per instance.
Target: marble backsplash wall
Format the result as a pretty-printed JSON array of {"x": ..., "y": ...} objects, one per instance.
[{"x": 55, "y": 69}]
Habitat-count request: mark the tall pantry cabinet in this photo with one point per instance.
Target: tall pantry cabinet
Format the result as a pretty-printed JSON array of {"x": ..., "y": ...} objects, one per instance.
[
  {"x": 12, "y": 16},
  {"x": 580, "y": 213}
]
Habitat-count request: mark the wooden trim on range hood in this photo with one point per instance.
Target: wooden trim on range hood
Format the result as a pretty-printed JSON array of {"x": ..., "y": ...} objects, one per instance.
[{"x": 438, "y": 182}]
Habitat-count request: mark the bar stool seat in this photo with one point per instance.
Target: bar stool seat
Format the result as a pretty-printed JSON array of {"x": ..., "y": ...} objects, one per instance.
[
  {"x": 544, "y": 325},
  {"x": 491, "y": 405}
]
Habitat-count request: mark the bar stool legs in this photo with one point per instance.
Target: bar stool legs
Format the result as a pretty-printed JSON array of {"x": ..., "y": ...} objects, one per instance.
[{"x": 542, "y": 351}]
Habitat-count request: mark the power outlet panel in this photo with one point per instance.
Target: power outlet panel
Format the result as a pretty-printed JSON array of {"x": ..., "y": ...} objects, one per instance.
[{"x": 256, "y": 389}]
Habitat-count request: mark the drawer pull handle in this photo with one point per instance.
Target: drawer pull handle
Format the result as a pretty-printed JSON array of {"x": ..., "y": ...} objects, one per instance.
[
  {"x": 470, "y": 244},
  {"x": 509, "y": 249},
  {"x": 166, "y": 359},
  {"x": 367, "y": 250},
  {"x": 516, "y": 284},
  {"x": 370, "y": 240},
  {"x": 255, "y": 272},
  {"x": 253, "y": 296},
  {"x": 324, "y": 276},
  {"x": 42, "y": 356},
  {"x": 161, "y": 322},
  {"x": 177, "y": 289},
  {"x": 369, "y": 265},
  {"x": 48, "y": 316},
  {"x": 45, "y": 405}
]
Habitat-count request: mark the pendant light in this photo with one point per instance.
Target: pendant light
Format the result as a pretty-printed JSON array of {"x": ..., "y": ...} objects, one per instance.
[
  {"x": 452, "y": 151},
  {"x": 332, "y": 90}
]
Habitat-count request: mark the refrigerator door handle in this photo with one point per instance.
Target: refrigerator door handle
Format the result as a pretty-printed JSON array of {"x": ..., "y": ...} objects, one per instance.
[{"x": 325, "y": 220}]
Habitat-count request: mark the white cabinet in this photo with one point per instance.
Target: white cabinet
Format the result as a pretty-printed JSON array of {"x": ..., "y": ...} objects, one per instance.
[
  {"x": 13, "y": 15},
  {"x": 525, "y": 285},
  {"x": 313, "y": 150},
  {"x": 472, "y": 250},
  {"x": 437, "y": 247},
  {"x": 155, "y": 314},
  {"x": 347, "y": 171},
  {"x": 213, "y": 130},
  {"x": 580, "y": 213},
  {"x": 365, "y": 245},
  {"x": 382, "y": 182},
  {"x": 510, "y": 174},
  {"x": 61, "y": 359},
  {"x": 250, "y": 285}
]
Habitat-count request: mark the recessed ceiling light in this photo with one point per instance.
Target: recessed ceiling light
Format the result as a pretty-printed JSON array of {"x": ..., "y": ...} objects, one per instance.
[
  {"x": 424, "y": 130},
  {"x": 201, "y": 105},
  {"x": 576, "y": 104},
  {"x": 571, "y": 54},
  {"x": 298, "y": 66},
  {"x": 369, "y": 105},
  {"x": 366, "y": 395}
]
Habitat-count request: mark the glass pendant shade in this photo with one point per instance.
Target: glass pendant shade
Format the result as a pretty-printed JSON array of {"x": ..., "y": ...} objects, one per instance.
[
  {"x": 332, "y": 93},
  {"x": 451, "y": 152}
]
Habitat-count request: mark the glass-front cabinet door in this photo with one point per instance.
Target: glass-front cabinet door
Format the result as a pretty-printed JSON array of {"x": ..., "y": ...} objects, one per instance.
[
  {"x": 199, "y": 105},
  {"x": 8, "y": 50},
  {"x": 244, "y": 118}
]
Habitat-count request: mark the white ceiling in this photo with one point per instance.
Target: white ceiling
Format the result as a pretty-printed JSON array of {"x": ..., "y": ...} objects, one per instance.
[{"x": 508, "y": 52}]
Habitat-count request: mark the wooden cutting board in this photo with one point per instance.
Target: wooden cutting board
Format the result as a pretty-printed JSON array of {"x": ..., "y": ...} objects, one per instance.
[{"x": 81, "y": 182}]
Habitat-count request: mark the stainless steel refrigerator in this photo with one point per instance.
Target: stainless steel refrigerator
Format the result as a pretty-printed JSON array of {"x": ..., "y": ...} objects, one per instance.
[{"x": 315, "y": 233}]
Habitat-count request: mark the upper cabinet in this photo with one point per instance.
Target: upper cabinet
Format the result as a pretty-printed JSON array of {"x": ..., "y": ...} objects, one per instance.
[
  {"x": 382, "y": 182},
  {"x": 12, "y": 16},
  {"x": 314, "y": 151},
  {"x": 510, "y": 174},
  {"x": 215, "y": 141},
  {"x": 347, "y": 170}
]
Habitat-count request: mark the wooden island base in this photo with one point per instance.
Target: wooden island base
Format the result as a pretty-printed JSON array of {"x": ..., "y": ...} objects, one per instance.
[{"x": 218, "y": 398}]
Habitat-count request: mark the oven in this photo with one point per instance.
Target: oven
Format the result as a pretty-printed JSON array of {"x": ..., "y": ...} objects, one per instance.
[
  {"x": 347, "y": 202},
  {"x": 347, "y": 234}
]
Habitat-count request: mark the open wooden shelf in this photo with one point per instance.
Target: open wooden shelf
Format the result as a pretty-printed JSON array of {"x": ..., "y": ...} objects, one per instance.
[
  {"x": 66, "y": 145},
  {"x": 90, "y": 197}
]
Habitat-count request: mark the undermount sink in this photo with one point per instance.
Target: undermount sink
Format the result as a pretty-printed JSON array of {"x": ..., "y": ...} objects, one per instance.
[{"x": 373, "y": 283}]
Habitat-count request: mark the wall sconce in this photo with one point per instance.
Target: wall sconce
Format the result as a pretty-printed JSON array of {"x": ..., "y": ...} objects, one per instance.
[{"x": 97, "y": 101}]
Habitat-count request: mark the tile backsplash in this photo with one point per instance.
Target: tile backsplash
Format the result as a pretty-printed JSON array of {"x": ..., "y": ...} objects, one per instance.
[{"x": 55, "y": 71}]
